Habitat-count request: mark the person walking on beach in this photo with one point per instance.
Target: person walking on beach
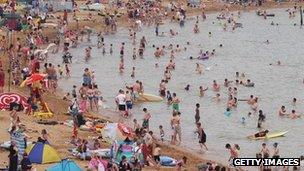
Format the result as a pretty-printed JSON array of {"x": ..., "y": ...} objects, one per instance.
[{"x": 201, "y": 135}]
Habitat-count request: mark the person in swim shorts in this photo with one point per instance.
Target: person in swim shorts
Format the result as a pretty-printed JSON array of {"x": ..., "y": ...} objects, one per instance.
[{"x": 175, "y": 102}]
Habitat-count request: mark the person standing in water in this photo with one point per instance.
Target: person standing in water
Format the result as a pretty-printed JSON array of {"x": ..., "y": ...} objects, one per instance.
[
  {"x": 121, "y": 66},
  {"x": 169, "y": 98},
  {"x": 111, "y": 49},
  {"x": 88, "y": 53},
  {"x": 129, "y": 103},
  {"x": 121, "y": 102},
  {"x": 157, "y": 29},
  {"x": 233, "y": 153},
  {"x": 198, "y": 68},
  {"x": 133, "y": 72},
  {"x": 175, "y": 102},
  {"x": 275, "y": 151},
  {"x": 197, "y": 113},
  {"x": 261, "y": 118},
  {"x": 161, "y": 133},
  {"x": 202, "y": 91},
  {"x": 162, "y": 88},
  {"x": 265, "y": 151},
  {"x": 216, "y": 87},
  {"x": 147, "y": 117},
  {"x": 175, "y": 124},
  {"x": 201, "y": 135}
]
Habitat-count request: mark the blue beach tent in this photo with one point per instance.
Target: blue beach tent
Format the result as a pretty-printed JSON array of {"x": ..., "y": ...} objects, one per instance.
[{"x": 65, "y": 165}]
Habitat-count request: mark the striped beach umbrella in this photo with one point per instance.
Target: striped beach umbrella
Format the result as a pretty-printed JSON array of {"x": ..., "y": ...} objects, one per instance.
[{"x": 41, "y": 153}]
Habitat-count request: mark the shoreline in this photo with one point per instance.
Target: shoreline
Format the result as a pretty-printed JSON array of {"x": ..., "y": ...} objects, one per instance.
[{"x": 55, "y": 100}]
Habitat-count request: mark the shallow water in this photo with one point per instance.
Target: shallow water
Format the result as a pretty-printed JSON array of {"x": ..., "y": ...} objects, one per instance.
[{"x": 243, "y": 50}]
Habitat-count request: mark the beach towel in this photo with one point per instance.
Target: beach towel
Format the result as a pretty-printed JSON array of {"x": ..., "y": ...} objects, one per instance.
[{"x": 18, "y": 138}]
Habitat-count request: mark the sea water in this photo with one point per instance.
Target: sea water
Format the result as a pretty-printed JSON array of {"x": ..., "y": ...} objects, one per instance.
[{"x": 243, "y": 50}]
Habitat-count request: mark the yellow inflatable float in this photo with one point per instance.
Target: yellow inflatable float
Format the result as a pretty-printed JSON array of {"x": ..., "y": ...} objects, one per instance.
[
  {"x": 268, "y": 136},
  {"x": 149, "y": 98}
]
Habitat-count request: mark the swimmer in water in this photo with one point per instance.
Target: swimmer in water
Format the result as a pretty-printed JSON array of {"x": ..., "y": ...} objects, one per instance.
[
  {"x": 202, "y": 91},
  {"x": 227, "y": 112},
  {"x": 196, "y": 28},
  {"x": 279, "y": 63},
  {"x": 294, "y": 101},
  {"x": 216, "y": 87},
  {"x": 217, "y": 97},
  {"x": 209, "y": 34},
  {"x": 227, "y": 83},
  {"x": 198, "y": 68},
  {"x": 250, "y": 101},
  {"x": 187, "y": 88},
  {"x": 282, "y": 111},
  {"x": 249, "y": 114},
  {"x": 272, "y": 23},
  {"x": 172, "y": 33},
  {"x": 294, "y": 115},
  {"x": 213, "y": 52},
  {"x": 172, "y": 54},
  {"x": 255, "y": 106},
  {"x": 249, "y": 83},
  {"x": 225, "y": 27},
  {"x": 243, "y": 120},
  {"x": 162, "y": 34}
]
